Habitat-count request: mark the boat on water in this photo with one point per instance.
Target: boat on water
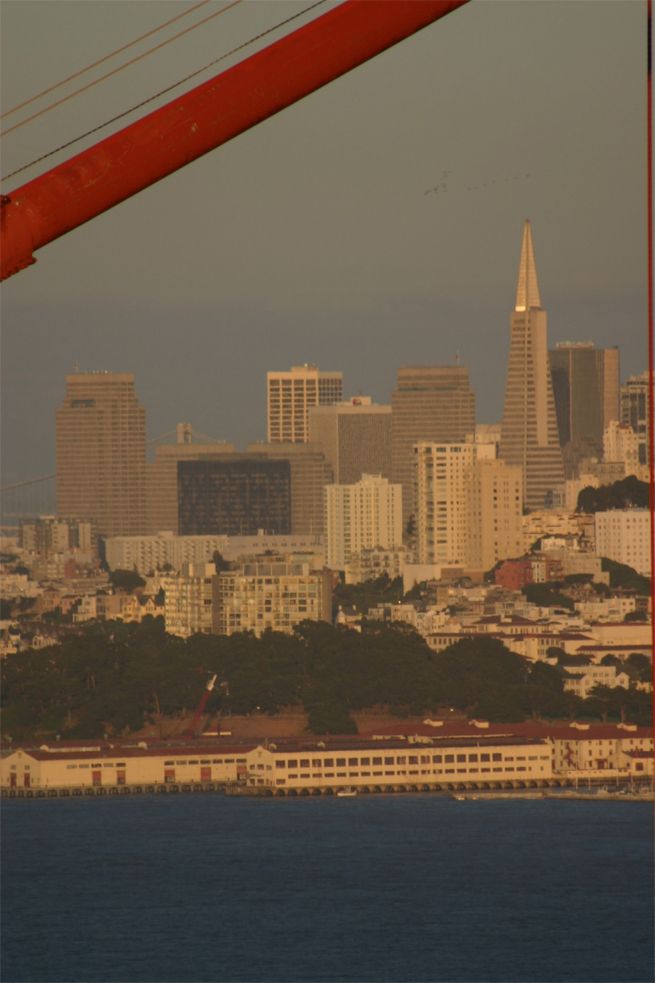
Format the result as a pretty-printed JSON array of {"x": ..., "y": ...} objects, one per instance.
[{"x": 346, "y": 793}]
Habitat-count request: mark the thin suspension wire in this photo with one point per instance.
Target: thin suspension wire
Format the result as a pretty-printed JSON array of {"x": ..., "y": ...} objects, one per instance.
[
  {"x": 119, "y": 68},
  {"x": 162, "y": 92},
  {"x": 117, "y": 51}
]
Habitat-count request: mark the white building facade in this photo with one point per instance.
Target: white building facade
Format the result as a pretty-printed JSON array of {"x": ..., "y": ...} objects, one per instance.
[
  {"x": 468, "y": 508},
  {"x": 364, "y": 515},
  {"x": 623, "y": 535}
]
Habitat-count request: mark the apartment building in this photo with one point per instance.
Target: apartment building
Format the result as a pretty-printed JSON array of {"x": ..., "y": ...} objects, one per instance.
[
  {"x": 361, "y": 516},
  {"x": 188, "y": 606},
  {"x": 271, "y": 595},
  {"x": 624, "y": 535}
]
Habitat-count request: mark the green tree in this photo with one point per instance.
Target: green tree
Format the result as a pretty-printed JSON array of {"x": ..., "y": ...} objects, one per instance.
[
  {"x": 623, "y": 576},
  {"x": 220, "y": 563},
  {"x": 547, "y": 596},
  {"x": 626, "y": 493},
  {"x": 128, "y": 580},
  {"x": 330, "y": 718}
]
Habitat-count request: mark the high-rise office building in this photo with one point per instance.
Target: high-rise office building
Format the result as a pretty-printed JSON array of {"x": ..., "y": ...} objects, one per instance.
[
  {"x": 360, "y": 516},
  {"x": 529, "y": 435},
  {"x": 634, "y": 410},
  {"x": 161, "y": 476},
  {"x": 609, "y": 361},
  {"x": 586, "y": 391},
  {"x": 101, "y": 453},
  {"x": 355, "y": 437},
  {"x": 431, "y": 402},
  {"x": 310, "y": 473},
  {"x": 234, "y": 495},
  {"x": 290, "y": 396}
]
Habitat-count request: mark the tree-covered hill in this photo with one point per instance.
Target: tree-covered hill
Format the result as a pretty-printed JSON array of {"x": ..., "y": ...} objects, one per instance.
[{"x": 115, "y": 678}]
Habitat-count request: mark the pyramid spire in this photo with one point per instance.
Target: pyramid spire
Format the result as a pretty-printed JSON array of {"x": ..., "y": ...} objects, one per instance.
[{"x": 527, "y": 290}]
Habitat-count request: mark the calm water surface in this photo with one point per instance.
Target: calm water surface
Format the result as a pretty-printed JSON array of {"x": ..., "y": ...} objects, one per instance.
[{"x": 411, "y": 888}]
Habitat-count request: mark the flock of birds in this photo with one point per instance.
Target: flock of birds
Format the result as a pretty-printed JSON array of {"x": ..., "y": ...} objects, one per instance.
[{"x": 443, "y": 184}]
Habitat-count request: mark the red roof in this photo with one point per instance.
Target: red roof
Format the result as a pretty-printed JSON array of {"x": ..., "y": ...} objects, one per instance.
[
  {"x": 522, "y": 730},
  {"x": 56, "y": 753}
]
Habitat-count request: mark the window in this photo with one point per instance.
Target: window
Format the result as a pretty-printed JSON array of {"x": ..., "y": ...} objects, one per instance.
[
  {"x": 496, "y": 757},
  {"x": 280, "y": 764},
  {"x": 413, "y": 759},
  {"x": 377, "y": 761},
  {"x": 436, "y": 759},
  {"x": 461, "y": 757},
  {"x": 292, "y": 763},
  {"x": 341, "y": 762},
  {"x": 328, "y": 763},
  {"x": 449, "y": 758},
  {"x": 473, "y": 757}
]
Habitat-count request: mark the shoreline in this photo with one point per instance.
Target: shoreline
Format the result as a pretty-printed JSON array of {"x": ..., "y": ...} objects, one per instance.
[{"x": 254, "y": 792}]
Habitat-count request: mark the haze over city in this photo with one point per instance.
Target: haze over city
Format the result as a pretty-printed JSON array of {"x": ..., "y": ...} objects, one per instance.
[{"x": 374, "y": 224}]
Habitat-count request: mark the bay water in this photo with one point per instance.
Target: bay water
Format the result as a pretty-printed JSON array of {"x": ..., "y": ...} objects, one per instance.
[{"x": 189, "y": 888}]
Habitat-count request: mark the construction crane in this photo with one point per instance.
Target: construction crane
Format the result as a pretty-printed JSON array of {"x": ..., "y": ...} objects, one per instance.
[
  {"x": 207, "y": 116},
  {"x": 191, "y": 730}
]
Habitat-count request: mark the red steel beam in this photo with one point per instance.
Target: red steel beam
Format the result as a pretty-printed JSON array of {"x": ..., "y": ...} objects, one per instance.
[{"x": 188, "y": 127}]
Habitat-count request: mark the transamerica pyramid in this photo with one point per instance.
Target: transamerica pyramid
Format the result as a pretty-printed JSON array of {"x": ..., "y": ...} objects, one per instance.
[{"x": 529, "y": 436}]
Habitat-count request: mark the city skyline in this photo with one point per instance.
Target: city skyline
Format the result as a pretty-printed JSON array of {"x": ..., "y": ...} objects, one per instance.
[{"x": 399, "y": 227}]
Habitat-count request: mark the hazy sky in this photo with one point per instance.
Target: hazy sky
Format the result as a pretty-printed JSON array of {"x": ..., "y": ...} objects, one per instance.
[{"x": 311, "y": 237}]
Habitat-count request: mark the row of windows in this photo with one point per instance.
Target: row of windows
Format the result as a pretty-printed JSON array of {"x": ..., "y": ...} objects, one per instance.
[
  {"x": 410, "y": 759},
  {"x": 498, "y": 769},
  {"x": 208, "y": 761}
]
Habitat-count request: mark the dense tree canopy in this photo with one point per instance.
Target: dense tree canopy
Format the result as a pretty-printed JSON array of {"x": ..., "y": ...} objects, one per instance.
[
  {"x": 368, "y": 593},
  {"x": 547, "y": 595},
  {"x": 127, "y": 580},
  {"x": 116, "y": 678},
  {"x": 629, "y": 492},
  {"x": 624, "y": 576}
]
